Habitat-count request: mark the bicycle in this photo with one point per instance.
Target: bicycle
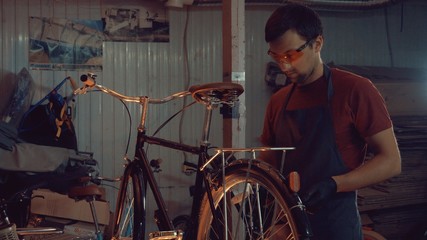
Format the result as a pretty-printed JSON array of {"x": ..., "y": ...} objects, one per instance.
[{"x": 227, "y": 195}]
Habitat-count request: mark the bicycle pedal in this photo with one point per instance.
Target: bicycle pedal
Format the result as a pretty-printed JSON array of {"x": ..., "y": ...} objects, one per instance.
[{"x": 166, "y": 235}]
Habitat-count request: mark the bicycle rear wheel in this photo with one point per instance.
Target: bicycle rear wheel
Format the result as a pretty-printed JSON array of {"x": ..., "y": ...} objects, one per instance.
[
  {"x": 255, "y": 206},
  {"x": 372, "y": 235},
  {"x": 129, "y": 220}
]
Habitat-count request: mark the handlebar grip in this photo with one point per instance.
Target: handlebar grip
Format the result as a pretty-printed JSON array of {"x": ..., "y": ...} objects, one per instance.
[{"x": 88, "y": 80}]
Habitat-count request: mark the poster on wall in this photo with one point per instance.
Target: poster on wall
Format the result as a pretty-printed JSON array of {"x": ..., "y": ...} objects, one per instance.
[
  {"x": 136, "y": 21},
  {"x": 77, "y": 44},
  {"x": 65, "y": 44}
]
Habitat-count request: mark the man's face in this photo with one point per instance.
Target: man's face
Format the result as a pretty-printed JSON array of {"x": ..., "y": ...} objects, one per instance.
[{"x": 295, "y": 56}]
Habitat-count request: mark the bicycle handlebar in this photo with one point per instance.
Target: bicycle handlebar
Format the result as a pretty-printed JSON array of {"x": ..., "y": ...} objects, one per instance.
[
  {"x": 209, "y": 93},
  {"x": 137, "y": 99}
]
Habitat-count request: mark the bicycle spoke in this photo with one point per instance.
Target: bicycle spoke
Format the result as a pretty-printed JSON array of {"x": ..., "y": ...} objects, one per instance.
[
  {"x": 126, "y": 229},
  {"x": 256, "y": 209}
]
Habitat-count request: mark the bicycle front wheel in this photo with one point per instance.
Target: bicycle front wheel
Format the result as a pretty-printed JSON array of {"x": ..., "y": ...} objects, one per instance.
[
  {"x": 129, "y": 217},
  {"x": 250, "y": 205}
]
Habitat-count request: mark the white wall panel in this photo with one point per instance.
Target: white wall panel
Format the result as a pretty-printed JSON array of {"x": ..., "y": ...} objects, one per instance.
[{"x": 9, "y": 36}]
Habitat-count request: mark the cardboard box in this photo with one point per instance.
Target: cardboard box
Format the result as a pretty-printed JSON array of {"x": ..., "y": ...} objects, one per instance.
[
  {"x": 82, "y": 229},
  {"x": 72, "y": 230},
  {"x": 53, "y": 204}
]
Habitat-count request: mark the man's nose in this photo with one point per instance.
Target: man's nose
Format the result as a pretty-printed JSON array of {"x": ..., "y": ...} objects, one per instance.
[{"x": 285, "y": 66}]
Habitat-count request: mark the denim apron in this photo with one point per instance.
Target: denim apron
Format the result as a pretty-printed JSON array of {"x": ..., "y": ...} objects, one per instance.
[{"x": 315, "y": 158}]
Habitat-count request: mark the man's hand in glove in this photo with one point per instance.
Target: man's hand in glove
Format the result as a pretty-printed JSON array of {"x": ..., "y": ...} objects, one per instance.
[{"x": 319, "y": 193}]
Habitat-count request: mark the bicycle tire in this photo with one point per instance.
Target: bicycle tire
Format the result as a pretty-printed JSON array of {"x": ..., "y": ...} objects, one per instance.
[
  {"x": 275, "y": 214},
  {"x": 127, "y": 224}
]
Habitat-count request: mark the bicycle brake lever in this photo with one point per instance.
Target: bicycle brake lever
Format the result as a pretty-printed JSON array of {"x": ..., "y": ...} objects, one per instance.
[{"x": 80, "y": 91}]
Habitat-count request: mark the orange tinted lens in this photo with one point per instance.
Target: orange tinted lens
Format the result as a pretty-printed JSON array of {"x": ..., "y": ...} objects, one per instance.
[
  {"x": 289, "y": 57},
  {"x": 294, "y": 55}
]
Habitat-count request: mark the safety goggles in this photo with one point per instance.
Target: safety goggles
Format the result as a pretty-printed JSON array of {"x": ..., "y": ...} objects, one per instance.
[{"x": 289, "y": 56}]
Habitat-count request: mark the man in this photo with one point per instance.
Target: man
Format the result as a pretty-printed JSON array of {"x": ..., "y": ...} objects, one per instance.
[{"x": 331, "y": 117}]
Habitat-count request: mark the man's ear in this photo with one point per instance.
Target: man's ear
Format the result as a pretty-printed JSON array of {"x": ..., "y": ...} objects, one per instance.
[{"x": 318, "y": 43}]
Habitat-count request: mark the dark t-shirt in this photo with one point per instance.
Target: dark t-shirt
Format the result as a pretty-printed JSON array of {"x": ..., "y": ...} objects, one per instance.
[{"x": 358, "y": 112}]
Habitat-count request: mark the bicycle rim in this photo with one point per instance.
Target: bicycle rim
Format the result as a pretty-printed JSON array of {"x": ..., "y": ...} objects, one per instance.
[
  {"x": 371, "y": 235},
  {"x": 259, "y": 212},
  {"x": 129, "y": 212}
]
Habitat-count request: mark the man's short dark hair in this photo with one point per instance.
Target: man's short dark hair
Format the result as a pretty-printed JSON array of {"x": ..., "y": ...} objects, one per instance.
[{"x": 305, "y": 21}]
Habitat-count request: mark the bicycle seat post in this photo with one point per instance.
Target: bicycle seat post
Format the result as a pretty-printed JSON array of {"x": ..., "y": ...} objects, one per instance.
[
  {"x": 211, "y": 95},
  {"x": 207, "y": 124},
  {"x": 144, "y": 108}
]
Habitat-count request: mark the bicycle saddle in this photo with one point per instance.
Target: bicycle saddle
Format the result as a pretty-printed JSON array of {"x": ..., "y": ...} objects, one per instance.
[{"x": 216, "y": 92}]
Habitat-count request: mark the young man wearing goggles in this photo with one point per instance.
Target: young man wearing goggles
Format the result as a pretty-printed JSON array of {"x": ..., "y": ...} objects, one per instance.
[{"x": 331, "y": 117}]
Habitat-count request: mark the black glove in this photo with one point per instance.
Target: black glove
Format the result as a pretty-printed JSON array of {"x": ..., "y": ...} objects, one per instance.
[{"x": 319, "y": 193}]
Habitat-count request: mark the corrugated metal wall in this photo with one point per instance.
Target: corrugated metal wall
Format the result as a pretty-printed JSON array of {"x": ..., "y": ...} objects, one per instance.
[
  {"x": 392, "y": 37},
  {"x": 139, "y": 69}
]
